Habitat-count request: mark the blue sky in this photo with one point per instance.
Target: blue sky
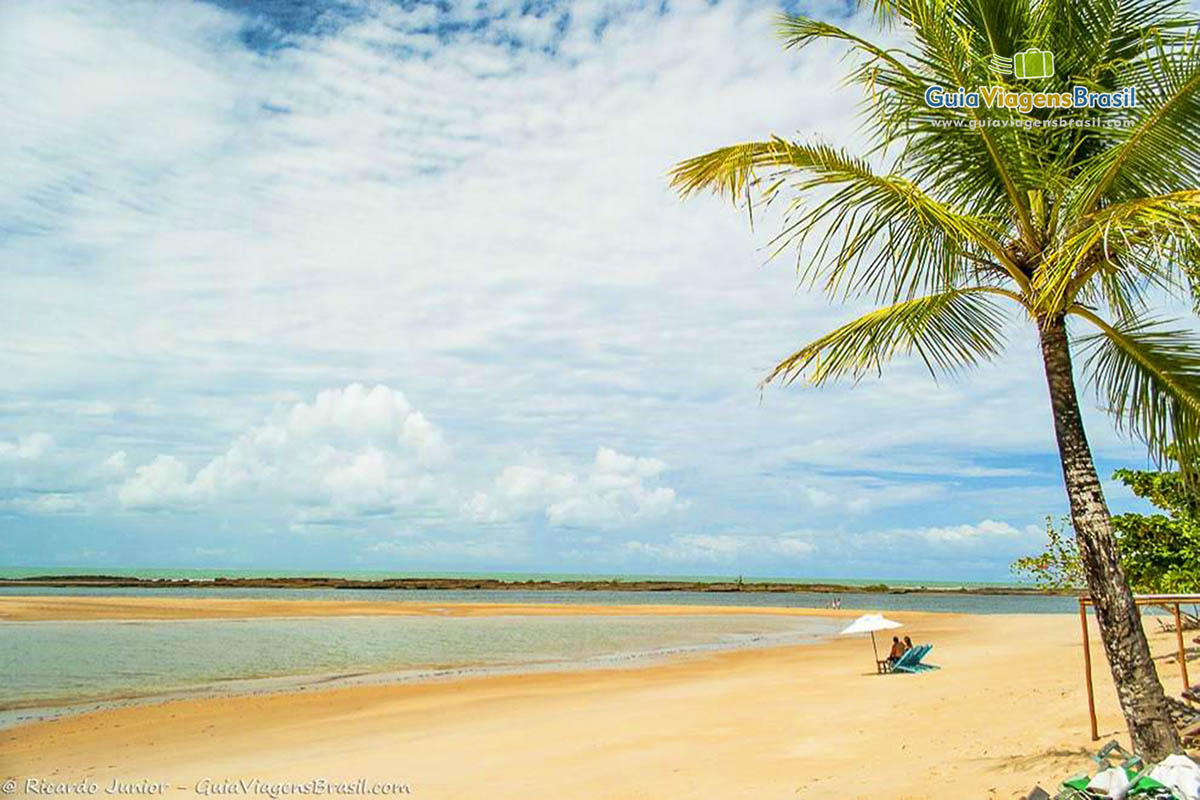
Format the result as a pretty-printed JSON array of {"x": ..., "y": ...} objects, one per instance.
[{"x": 401, "y": 286}]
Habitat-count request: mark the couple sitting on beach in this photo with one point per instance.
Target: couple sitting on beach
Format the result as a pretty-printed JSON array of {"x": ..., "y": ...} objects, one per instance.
[{"x": 899, "y": 648}]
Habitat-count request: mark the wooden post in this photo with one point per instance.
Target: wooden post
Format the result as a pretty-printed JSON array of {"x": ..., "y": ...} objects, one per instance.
[
  {"x": 1182, "y": 650},
  {"x": 1087, "y": 668}
]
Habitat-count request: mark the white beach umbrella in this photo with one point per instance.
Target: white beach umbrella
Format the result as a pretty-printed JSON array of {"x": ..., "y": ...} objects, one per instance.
[{"x": 869, "y": 623}]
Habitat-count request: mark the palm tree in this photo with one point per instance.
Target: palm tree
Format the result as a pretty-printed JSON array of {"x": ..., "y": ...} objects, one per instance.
[{"x": 980, "y": 209}]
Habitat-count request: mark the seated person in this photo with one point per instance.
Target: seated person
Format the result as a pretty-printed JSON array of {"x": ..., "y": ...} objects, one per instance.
[{"x": 898, "y": 650}]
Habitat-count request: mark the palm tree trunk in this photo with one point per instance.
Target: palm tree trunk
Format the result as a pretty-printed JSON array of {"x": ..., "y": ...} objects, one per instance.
[{"x": 1138, "y": 687}]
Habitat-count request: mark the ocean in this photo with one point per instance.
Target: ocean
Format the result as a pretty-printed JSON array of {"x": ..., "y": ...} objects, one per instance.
[
  {"x": 58, "y": 667},
  {"x": 52, "y": 667}
]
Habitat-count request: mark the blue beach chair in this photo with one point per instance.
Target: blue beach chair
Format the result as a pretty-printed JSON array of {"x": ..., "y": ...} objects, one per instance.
[
  {"x": 911, "y": 662},
  {"x": 904, "y": 663}
]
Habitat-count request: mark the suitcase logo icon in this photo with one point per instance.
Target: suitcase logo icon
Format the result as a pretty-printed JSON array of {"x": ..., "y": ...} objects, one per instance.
[{"x": 1026, "y": 65}]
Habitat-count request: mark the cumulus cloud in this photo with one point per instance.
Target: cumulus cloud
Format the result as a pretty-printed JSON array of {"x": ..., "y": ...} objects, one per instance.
[
  {"x": 352, "y": 449},
  {"x": 967, "y": 544},
  {"x": 250, "y": 203},
  {"x": 40, "y": 476},
  {"x": 29, "y": 462},
  {"x": 356, "y": 451},
  {"x": 989, "y": 529},
  {"x": 26, "y": 448},
  {"x": 160, "y": 484},
  {"x": 615, "y": 490},
  {"x": 117, "y": 463}
]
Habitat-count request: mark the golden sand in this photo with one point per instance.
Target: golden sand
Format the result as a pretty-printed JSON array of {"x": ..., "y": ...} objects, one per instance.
[
  {"x": 814, "y": 721},
  {"x": 26, "y": 609}
]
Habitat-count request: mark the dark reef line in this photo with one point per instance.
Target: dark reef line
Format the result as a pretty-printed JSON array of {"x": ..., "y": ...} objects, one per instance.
[{"x": 467, "y": 584}]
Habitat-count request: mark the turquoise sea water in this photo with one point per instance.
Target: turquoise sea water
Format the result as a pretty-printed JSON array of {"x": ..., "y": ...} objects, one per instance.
[{"x": 52, "y": 665}]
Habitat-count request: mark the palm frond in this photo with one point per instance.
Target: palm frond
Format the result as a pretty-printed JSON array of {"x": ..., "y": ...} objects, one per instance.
[
  {"x": 1156, "y": 149},
  {"x": 875, "y": 235},
  {"x": 799, "y": 31},
  {"x": 995, "y": 162},
  {"x": 1147, "y": 375},
  {"x": 949, "y": 331},
  {"x": 1092, "y": 40},
  {"x": 1002, "y": 27},
  {"x": 1148, "y": 239}
]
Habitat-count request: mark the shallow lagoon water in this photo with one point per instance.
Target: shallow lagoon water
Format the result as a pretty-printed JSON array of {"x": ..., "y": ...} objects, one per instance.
[
  {"x": 61, "y": 663},
  {"x": 52, "y": 665}
]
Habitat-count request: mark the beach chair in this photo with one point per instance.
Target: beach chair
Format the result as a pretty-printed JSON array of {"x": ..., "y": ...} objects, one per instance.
[
  {"x": 902, "y": 663},
  {"x": 911, "y": 661},
  {"x": 1189, "y": 734}
]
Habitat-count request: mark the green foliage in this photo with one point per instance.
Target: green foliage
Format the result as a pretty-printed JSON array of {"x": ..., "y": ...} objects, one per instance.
[
  {"x": 952, "y": 214},
  {"x": 1087, "y": 215},
  {"x": 1057, "y": 568},
  {"x": 1160, "y": 553},
  {"x": 1145, "y": 373},
  {"x": 946, "y": 330}
]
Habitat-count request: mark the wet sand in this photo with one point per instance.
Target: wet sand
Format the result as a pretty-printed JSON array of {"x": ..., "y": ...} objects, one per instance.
[
  {"x": 34, "y": 608},
  {"x": 1008, "y": 707}
]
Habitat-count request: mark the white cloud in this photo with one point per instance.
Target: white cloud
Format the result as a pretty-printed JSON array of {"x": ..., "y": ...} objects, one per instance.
[
  {"x": 988, "y": 529},
  {"x": 724, "y": 549},
  {"x": 488, "y": 552},
  {"x": 1000, "y": 540},
  {"x": 616, "y": 490},
  {"x": 355, "y": 451},
  {"x": 162, "y": 483},
  {"x": 863, "y": 494},
  {"x": 27, "y": 448},
  {"x": 352, "y": 449},
  {"x": 468, "y": 201},
  {"x": 33, "y": 462},
  {"x": 117, "y": 463},
  {"x": 870, "y": 551},
  {"x": 44, "y": 504},
  {"x": 39, "y": 475},
  {"x": 818, "y": 498}
]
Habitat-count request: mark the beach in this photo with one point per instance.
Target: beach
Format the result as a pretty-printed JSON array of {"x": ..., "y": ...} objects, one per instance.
[
  {"x": 30, "y": 609},
  {"x": 1007, "y": 708}
]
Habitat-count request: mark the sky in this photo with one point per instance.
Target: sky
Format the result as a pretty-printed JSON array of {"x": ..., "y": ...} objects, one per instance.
[{"x": 402, "y": 286}]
